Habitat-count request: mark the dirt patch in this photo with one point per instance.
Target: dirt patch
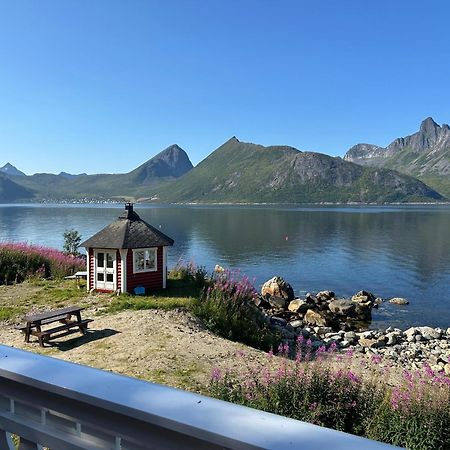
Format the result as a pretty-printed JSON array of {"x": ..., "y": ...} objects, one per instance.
[{"x": 169, "y": 347}]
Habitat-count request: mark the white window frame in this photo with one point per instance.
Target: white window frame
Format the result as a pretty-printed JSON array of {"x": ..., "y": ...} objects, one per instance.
[{"x": 149, "y": 249}]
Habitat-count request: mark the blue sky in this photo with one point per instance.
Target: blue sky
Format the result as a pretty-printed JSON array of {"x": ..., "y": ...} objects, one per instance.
[{"x": 102, "y": 86}]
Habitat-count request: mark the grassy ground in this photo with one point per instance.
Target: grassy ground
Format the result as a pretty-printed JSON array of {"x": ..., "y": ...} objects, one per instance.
[
  {"x": 34, "y": 295},
  {"x": 179, "y": 294}
]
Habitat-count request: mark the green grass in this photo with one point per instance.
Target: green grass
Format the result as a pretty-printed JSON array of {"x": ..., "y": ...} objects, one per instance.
[
  {"x": 10, "y": 312},
  {"x": 33, "y": 295},
  {"x": 56, "y": 293},
  {"x": 179, "y": 294}
]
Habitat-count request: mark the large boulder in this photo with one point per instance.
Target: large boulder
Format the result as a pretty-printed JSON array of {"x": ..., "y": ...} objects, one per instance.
[
  {"x": 316, "y": 318},
  {"x": 325, "y": 295},
  {"x": 277, "y": 287},
  {"x": 429, "y": 333},
  {"x": 299, "y": 306},
  {"x": 364, "y": 301},
  {"x": 364, "y": 298},
  {"x": 278, "y": 302},
  {"x": 342, "y": 307}
]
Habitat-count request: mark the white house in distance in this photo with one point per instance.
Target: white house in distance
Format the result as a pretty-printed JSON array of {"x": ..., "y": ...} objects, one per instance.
[{"x": 126, "y": 254}]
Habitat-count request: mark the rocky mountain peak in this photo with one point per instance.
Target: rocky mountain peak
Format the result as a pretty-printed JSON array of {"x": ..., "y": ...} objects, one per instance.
[
  {"x": 429, "y": 126},
  {"x": 173, "y": 161},
  {"x": 424, "y": 154},
  {"x": 9, "y": 169}
]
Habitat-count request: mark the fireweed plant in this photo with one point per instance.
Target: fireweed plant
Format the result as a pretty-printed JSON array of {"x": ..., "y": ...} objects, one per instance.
[
  {"x": 327, "y": 388},
  {"x": 226, "y": 307},
  {"x": 19, "y": 261}
]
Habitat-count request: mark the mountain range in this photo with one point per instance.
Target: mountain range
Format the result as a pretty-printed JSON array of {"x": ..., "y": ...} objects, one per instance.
[
  {"x": 424, "y": 155},
  {"x": 137, "y": 184},
  {"x": 245, "y": 172},
  {"x": 240, "y": 172}
]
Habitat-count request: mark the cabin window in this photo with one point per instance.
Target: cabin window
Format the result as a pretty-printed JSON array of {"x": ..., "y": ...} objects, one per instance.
[{"x": 144, "y": 260}]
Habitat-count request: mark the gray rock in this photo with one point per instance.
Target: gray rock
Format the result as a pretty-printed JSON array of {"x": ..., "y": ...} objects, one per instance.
[
  {"x": 367, "y": 342},
  {"x": 364, "y": 297},
  {"x": 322, "y": 330},
  {"x": 342, "y": 307},
  {"x": 399, "y": 301},
  {"x": 325, "y": 295},
  {"x": 350, "y": 335},
  {"x": 411, "y": 331},
  {"x": 277, "y": 302},
  {"x": 391, "y": 338},
  {"x": 277, "y": 287},
  {"x": 278, "y": 321},
  {"x": 316, "y": 318},
  {"x": 447, "y": 369},
  {"x": 430, "y": 333},
  {"x": 296, "y": 323},
  {"x": 299, "y": 306}
]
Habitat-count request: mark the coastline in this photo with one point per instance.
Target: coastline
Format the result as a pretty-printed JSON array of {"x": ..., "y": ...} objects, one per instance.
[{"x": 143, "y": 203}]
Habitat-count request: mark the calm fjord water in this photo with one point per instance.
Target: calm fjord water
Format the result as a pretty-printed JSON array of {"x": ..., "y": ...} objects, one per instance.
[{"x": 395, "y": 251}]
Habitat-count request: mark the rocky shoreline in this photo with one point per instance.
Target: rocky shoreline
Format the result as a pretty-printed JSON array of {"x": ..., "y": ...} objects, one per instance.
[{"x": 326, "y": 320}]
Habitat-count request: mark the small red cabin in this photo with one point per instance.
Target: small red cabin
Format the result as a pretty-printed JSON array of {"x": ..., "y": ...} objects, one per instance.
[{"x": 127, "y": 254}]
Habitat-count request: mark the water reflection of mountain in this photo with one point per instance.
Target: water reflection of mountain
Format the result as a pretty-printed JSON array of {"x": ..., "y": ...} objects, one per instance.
[{"x": 402, "y": 238}]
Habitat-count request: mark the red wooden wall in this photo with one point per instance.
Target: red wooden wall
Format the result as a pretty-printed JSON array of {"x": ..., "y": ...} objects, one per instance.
[{"x": 149, "y": 280}]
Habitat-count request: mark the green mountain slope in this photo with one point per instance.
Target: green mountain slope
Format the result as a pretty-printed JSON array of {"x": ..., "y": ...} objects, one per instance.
[
  {"x": 158, "y": 171},
  {"x": 424, "y": 155},
  {"x": 11, "y": 191},
  {"x": 244, "y": 172}
]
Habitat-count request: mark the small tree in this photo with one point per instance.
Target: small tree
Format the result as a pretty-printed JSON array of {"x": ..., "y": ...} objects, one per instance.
[{"x": 72, "y": 239}]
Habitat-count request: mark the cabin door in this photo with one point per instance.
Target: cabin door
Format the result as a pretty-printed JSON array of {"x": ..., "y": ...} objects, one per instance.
[{"x": 105, "y": 270}]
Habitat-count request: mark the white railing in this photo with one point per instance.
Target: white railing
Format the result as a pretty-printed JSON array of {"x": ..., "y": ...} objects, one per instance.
[{"x": 64, "y": 406}]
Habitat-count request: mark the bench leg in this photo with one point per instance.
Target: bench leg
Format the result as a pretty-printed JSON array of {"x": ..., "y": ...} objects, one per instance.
[
  {"x": 38, "y": 329},
  {"x": 82, "y": 328},
  {"x": 27, "y": 333}
]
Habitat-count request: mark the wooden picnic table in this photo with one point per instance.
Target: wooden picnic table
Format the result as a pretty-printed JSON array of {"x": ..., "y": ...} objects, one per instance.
[{"x": 70, "y": 319}]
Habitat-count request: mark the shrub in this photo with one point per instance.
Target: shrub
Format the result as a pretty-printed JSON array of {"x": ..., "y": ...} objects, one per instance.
[
  {"x": 19, "y": 261},
  {"x": 226, "y": 307},
  {"x": 190, "y": 273},
  {"x": 416, "y": 414},
  {"x": 412, "y": 412}
]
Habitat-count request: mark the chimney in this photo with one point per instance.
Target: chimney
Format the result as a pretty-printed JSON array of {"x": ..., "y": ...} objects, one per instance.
[{"x": 128, "y": 210}]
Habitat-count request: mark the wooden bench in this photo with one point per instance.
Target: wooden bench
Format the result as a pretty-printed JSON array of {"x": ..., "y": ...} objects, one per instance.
[{"x": 34, "y": 323}]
